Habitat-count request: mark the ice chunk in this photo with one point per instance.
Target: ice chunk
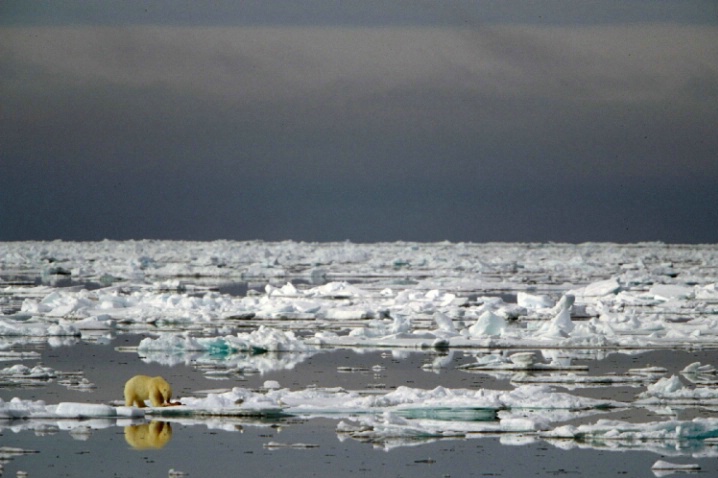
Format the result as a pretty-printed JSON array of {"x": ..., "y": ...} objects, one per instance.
[
  {"x": 488, "y": 324},
  {"x": 287, "y": 290},
  {"x": 98, "y": 322},
  {"x": 531, "y": 301},
  {"x": 339, "y": 314},
  {"x": 63, "y": 328},
  {"x": 696, "y": 429},
  {"x": 672, "y": 390},
  {"x": 523, "y": 359},
  {"x": 84, "y": 410},
  {"x": 669, "y": 292},
  {"x": 335, "y": 290},
  {"x": 697, "y": 368},
  {"x": 22, "y": 372},
  {"x": 598, "y": 289},
  {"x": 19, "y": 408},
  {"x": 444, "y": 322},
  {"x": 665, "y": 386},
  {"x": 561, "y": 325},
  {"x": 664, "y": 465}
]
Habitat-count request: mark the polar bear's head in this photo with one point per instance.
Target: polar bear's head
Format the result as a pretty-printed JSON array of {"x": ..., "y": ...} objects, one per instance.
[{"x": 164, "y": 388}]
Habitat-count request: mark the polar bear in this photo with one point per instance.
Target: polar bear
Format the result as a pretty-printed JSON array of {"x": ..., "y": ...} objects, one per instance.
[{"x": 141, "y": 387}]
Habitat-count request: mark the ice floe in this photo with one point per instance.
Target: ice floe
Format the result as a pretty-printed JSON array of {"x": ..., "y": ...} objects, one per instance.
[
  {"x": 439, "y": 403},
  {"x": 264, "y": 339},
  {"x": 673, "y": 390},
  {"x": 32, "y": 409},
  {"x": 621, "y": 432}
]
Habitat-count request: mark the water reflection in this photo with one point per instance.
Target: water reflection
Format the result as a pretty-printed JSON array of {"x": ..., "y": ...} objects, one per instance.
[{"x": 148, "y": 436}]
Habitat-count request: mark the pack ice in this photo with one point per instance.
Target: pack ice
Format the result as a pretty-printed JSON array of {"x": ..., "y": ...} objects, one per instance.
[{"x": 500, "y": 303}]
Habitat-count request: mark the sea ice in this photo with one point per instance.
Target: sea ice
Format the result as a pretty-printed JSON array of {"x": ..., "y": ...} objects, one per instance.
[
  {"x": 618, "y": 430},
  {"x": 18, "y": 408},
  {"x": 258, "y": 341},
  {"x": 309, "y": 296},
  {"x": 23, "y": 372},
  {"x": 317, "y": 401},
  {"x": 598, "y": 289},
  {"x": 393, "y": 318},
  {"x": 533, "y": 301},
  {"x": 673, "y": 390}
]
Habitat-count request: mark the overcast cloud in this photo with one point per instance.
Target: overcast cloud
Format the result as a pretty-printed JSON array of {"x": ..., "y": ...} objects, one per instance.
[{"x": 474, "y": 121}]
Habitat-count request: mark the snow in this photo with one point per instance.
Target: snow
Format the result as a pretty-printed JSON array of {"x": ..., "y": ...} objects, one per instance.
[{"x": 308, "y": 297}]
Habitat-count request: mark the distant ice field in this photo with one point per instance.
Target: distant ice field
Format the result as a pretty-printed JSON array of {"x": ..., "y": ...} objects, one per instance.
[{"x": 399, "y": 347}]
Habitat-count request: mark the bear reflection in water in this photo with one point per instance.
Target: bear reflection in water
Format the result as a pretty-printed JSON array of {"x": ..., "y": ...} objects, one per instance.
[{"x": 148, "y": 436}]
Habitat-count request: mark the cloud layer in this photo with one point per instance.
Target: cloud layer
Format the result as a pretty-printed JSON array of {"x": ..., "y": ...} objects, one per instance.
[{"x": 505, "y": 115}]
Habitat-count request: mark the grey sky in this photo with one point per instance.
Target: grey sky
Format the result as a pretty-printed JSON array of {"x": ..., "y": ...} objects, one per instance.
[{"x": 467, "y": 121}]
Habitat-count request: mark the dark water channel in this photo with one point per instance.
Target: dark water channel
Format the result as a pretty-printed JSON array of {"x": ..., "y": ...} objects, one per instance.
[{"x": 299, "y": 447}]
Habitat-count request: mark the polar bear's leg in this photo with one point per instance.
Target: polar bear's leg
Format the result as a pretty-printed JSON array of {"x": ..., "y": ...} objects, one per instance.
[
  {"x": 136, "y": 391},
  {"x": 156, "y": 397}
]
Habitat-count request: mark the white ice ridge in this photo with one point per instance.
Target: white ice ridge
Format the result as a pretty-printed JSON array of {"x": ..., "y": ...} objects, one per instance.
[
  {"x": 319, "y": 401},
  {"x": 405, "y": 318},
  {"x": 263, "y": 339},
  {"x": 618, "y": 430},
  {"x": 655, "y": 295},
  {"x": 671, "y": 390},
  {"x": 671, "y": 438},
  {"x": 329, "y": 401},
  {"x": 551, "y": 263}
]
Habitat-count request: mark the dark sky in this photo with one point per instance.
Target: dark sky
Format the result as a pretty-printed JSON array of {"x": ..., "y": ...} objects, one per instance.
[{"x": 359, "y": 120}]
